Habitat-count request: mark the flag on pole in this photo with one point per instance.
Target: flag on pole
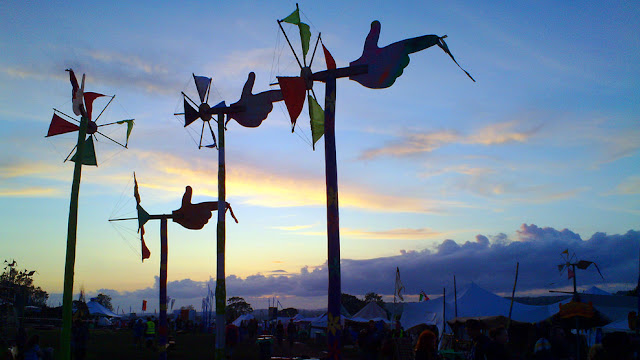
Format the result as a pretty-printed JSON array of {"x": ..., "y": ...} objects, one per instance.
[
  {"x": 399, "y": 286},
  {"x": 144, "y": 305},
  {"x": 423, "y": 296}
]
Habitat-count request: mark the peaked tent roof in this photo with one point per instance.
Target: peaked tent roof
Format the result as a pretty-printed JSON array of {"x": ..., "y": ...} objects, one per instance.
[
  {"x": 371, "y": 311},
  {"x": 95, "y": 308},
  {"x": 594, "y": 290},
  {"x": 473, "y": 301}
]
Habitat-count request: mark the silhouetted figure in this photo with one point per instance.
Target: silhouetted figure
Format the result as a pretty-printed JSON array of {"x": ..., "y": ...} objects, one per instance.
[
  {"x": 80, "y": 339},
  {"x": 498, "y": 345},
  {"x": 426, "y": 346},
  {"x": 480, "y": 341},
  {"x": 291, "y": 332},
  {"x": 32, "y": 348},
  {"x": 231, "y": 336}
]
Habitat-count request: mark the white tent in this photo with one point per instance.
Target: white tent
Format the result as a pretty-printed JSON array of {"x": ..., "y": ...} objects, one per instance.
[
  {"x": 473, "y": 301},
  {"x": 242, "y": 318},
  {"x": 594, "y": 290},
  {"x": 95, "y": 308},
  {"x": 371, "y": 311}
]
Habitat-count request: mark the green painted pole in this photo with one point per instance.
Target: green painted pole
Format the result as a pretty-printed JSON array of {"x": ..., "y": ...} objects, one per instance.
[
  {"x": 221, "y": 291},
  {"x": 72, "y": 230}
]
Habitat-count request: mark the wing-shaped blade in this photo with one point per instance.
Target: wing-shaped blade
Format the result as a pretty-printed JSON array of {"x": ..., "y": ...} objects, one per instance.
[
  {"x": 293, "y": 91},
  {"x": 88, "y": 101},
  {"x": 190, "y": 114},
  {"x": 202, "y": 84},
  {"x": 60, "y": 126},
  {"x": 88, "y": 153}
]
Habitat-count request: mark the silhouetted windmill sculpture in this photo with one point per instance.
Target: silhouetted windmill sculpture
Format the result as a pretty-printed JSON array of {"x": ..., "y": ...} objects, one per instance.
[
  {"x": 190, "y": 216},
  {"x": 84, "y": 155},
  {"x": 377, "y": 68},
  {"x": 571, "y": 264},
  {"x": 249, "y": 111}
]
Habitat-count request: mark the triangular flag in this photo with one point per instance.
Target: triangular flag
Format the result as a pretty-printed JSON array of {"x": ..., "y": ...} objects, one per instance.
[
  {"x": 305, "y": 31},
  {"x": 202, "y": 84},
  {"x": 566, "y": 252},
  {"x": 571, "y": 273},
  {"x": 293, "y": 18},
  {"x": 88, "y": 153},
  {"x": 316, "y": 114},
  {"x": 88, "y": 101},
  {"x": 331, "y": 63},
  {"x": 305, "y": 37},
  {"x": 399, "y": 286},
  {"x": 190, "y": 114},
  {"x": 293, "y": 91},
  {"x": 143, "y": 216},
  {"x": 129, "y": 123},
  {"x": 60, "y": 126}
]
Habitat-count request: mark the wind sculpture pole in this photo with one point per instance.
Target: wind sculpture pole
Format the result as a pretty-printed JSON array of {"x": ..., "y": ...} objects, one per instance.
[
  {"x": 84, "y": 155},
  {"x": 190, "y": 216},
  {"x": 377, "y": 68},
  {"x": 249, "y": 111}
]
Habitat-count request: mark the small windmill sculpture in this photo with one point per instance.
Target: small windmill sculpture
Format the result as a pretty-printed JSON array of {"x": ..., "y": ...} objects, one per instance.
[
  {"x": 571, "y": 264},
  {"x": 190, "y": 216},
  {"x": 249, "y": 111},
  {"x": 84, "y": 154},
  {"x": 83, "y": 106},
  {"x": 377, "y": 68}
]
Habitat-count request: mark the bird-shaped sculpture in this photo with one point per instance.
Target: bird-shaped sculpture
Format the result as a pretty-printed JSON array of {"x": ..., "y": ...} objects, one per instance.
[
  {"x": 387, "y": 64},
  {"x": 256, "y": 106}
]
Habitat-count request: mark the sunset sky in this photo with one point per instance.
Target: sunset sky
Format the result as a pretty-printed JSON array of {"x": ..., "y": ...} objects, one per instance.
[{"x": 438, "y": 175}]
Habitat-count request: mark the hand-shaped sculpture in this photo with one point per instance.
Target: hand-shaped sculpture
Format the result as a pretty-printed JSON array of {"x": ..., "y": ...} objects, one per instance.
[
  {"x": 196, "y": 216},
  {"x": 386, "y": 64},
  {"x": 256, "y": 106}
]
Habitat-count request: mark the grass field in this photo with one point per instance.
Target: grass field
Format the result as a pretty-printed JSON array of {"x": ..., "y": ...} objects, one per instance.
[{"x": 118, "y": 344}]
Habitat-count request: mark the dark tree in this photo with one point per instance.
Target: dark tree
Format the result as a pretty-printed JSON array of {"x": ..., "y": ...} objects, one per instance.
[
  {"x": 373, "y": 297},
  {"x": 288, "y": 312},
  {"x": 16, "y": 287},
  {"x": 236, "y": 306},
  {"x": 351, "y": 303},
  {"x": 104, "y": 300}
]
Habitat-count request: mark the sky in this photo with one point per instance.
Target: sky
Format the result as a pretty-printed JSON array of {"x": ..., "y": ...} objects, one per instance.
[{"x": 438, "y": 176}]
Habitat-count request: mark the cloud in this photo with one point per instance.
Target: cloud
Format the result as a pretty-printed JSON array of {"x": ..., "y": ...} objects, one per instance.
[
  {"x": 628, "y": 186},
  {"x": 488, "y": 260},
  {"x": 293, "y": 228},
  {"x": 30, "y": 192},
  {"x": 416, "y": 143},
  {"x": 393, "y": 234},
  {"x": 166, "y": 175}
]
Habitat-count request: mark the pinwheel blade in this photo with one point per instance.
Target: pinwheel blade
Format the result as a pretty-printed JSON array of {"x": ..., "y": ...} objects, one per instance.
[
  {"x": 60, "y": 126},
  {"x": 88, "y": 153},
  {"x": 190, "y": 114},
  {"x": 202, "y": 84},
  {"x": 293, "y": 91}
]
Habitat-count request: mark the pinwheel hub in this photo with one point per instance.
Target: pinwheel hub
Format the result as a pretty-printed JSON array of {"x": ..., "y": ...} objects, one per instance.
[
  {"x": 92, "y": 128},
  {"x": 204, "y": 112},
  {"x": 307, "y": 75}
]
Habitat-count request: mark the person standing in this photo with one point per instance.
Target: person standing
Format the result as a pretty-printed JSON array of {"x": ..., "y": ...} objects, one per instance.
[
  {"x": 291, "y": 332},
  {"x": 150, "y": 332},
  {"x": 480, "y": 341},
  {"x": 426, "y": 346}
]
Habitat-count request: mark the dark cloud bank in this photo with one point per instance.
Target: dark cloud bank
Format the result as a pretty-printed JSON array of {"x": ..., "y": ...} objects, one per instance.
[{"x": 488, "y": 261}]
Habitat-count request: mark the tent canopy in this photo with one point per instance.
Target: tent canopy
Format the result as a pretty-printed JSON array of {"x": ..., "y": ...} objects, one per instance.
[
  {"x": 371, "y": 311},
  {"x": 96, "y": 309}
]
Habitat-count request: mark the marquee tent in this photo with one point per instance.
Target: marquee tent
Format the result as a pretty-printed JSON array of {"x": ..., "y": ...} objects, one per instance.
[
  {"x": 371, "y": 311},
  {"x": 96, "y": 309},
  {"x": 473, "y": 301}
]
